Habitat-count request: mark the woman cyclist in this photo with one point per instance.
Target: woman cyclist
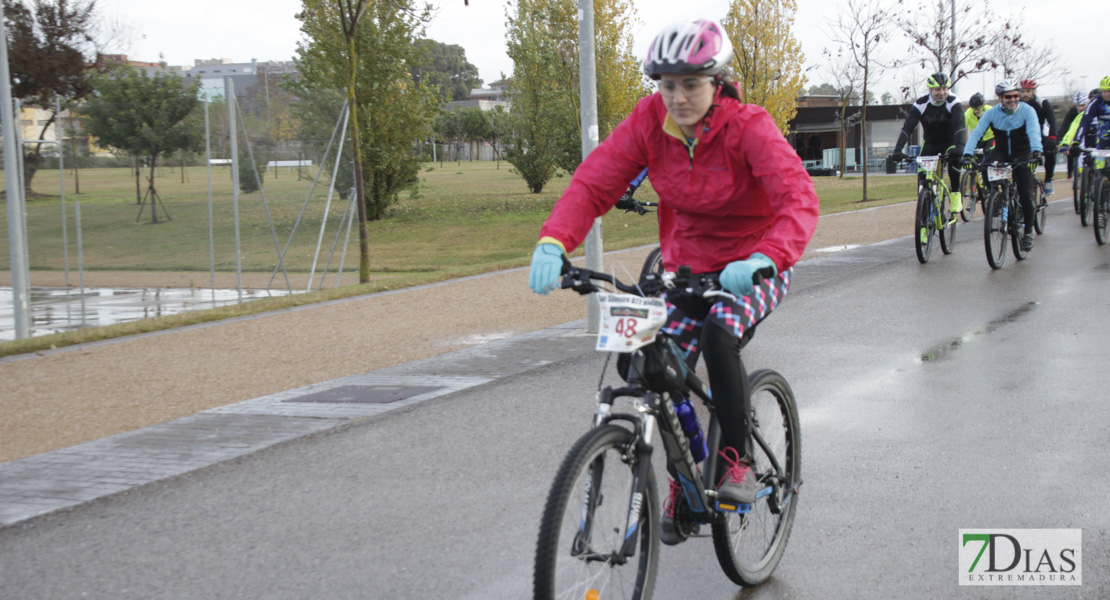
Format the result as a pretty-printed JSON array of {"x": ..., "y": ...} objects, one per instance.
[{"x": 734, "y": 199}]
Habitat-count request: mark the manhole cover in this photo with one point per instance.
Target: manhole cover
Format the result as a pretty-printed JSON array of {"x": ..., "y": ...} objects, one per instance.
[{"x": 363, "y": 394}]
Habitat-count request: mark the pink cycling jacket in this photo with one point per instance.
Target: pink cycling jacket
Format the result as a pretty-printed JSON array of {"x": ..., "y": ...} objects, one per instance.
[{"x": 738, "y": 190}]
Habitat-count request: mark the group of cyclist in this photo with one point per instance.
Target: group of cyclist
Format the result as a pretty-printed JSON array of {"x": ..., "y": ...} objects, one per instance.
[{"x": 1021, "y": 128}]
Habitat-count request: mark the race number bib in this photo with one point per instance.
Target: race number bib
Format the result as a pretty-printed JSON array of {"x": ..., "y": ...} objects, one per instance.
[
  {"x": 629, "y": 322},
  {"x": 999, "y": 173},
  {"x": 928, "y": 163}
]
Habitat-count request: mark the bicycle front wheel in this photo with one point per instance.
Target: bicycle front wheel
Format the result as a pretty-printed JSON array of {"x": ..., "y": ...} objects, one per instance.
[
  {"x": 947, "y": 231},
  {"x": 586, "y": 521},
  {"x": 1075, "y": 191},
  {"x": 924, "y": 226},
  {"x": 1040, "y": 214},
  {"x": 1017, "y": 225},
  {"x": 749, "y": 546},
  {"x": 1085, "y": 202},
  {"x": 969, "y": 190},
  {"x": 1100, "y": 198},
  {"x": 652, "y": 264},
  {"x": 994, "y": 228}
]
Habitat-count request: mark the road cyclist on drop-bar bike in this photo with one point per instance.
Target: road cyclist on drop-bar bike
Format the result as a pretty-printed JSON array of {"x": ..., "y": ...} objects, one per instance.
[
  {"x": 1017, "y": 140},
  {"x": 735, "y": 201},
  {"x": 941, "y": 117}
]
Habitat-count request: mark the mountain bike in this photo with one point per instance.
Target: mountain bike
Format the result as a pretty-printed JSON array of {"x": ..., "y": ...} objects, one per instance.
[
  {"x": 1002, "y": 214},
  {"x": 971, "y": 187},
  {"x": 1099, "y": 198},
  {"x": 1082, "y": 185},
  {"x": 934, "y": 210},
  {"x": 599, "y": 536}
]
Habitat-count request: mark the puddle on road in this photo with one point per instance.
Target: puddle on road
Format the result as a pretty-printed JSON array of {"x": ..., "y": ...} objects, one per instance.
[
  {"x": 58, "y": 309},
  {"x": 939, "y": 352}
]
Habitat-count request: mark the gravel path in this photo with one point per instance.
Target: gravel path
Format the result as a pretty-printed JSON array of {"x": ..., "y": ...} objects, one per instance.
[{"x": 78, "y": 394}]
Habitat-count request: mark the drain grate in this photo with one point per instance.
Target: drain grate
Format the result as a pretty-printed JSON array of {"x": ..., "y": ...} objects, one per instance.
[{"x": 366, "y": 394}]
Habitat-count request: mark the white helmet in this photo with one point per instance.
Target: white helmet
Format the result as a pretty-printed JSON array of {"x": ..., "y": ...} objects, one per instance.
[
  {"x": 689, "y": 47},
  {"x": 1006, "y": 85},
  {"x": 1079, "y": 99}
]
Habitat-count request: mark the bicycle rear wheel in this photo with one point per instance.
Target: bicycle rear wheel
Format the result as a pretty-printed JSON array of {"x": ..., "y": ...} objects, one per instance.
[
  {"x": 1040, "y": 214},
  {"x": 652, "y": 264},
  {"x": 969, "y": 191},
  {"x": 947, "y": 231},
  {"x": 585, "y": 521},
  {"x": 924, "y": 226},
  {"x": 749, "y": 546},
  {"x": 1101, "y": 201},
  {"x": 994, "y": 228}
]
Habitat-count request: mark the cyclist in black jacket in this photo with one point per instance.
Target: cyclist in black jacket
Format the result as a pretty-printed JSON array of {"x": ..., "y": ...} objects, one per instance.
[
  {"x": 1047, "y": 117},
  {"x": 942, "y": 122}
]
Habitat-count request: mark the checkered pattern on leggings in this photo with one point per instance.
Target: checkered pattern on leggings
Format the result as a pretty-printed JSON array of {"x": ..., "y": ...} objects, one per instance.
[{"x": 735, "y": 316}]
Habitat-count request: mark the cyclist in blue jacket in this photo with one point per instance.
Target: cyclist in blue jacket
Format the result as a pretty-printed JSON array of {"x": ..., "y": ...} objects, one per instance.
[
  {"x": 1017, "y": 139},
  {"x": 1096, "y": 119}
]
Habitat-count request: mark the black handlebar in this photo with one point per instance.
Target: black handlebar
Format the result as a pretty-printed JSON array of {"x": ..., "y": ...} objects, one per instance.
[{"x": 580, "y": 279}]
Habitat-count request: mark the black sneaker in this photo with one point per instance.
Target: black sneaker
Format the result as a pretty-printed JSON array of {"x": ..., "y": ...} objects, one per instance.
[
  {"x": 1027, "y": 241},
  {"x": 676, "y": 525}
]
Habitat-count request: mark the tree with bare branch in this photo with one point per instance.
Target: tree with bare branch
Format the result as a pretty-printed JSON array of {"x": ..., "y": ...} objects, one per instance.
[
  {"x": 861, "y": 29},
  {"x": 848, "y": 77}
]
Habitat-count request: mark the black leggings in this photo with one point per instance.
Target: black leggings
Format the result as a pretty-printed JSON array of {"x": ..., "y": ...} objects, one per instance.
[
  {"x": 1023, "y": 179},
  {"x": 727, "y": 377}
]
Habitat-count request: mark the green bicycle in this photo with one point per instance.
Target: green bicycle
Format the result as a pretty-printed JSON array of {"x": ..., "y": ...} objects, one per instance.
[{"x": 934, "y": 210}]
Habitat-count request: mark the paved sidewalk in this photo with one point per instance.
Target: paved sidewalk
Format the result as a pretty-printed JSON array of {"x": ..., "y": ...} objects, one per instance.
[{"x": 64, "y": 478}]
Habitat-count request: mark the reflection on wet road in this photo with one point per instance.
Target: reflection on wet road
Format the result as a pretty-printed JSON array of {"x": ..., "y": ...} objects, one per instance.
[{"x": 57, "y": 309}]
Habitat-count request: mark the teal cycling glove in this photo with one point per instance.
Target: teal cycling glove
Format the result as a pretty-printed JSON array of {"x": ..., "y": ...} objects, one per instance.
[
  {"x": 547, "y": 264},
  {"x": 737, "y": 276}
]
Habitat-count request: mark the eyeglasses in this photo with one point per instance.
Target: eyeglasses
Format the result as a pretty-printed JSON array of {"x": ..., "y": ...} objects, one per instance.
[
  {"x": 1011, "y": 96},
  {"x": 689, "y": 86}
]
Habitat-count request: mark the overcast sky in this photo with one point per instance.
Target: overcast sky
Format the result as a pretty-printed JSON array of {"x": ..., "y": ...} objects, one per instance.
[{"x": 266, "y": 29}]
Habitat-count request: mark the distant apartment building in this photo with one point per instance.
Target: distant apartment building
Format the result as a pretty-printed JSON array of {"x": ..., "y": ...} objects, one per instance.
[{"x": 496, "y": 94}]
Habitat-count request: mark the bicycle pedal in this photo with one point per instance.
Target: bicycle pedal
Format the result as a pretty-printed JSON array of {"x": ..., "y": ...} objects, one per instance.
[
  {"x": 735, "y": 508},
  {"x": 742, "y": 508}
]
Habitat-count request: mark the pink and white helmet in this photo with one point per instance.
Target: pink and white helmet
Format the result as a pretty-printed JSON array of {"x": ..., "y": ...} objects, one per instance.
[{"x": 700, "y": 46}]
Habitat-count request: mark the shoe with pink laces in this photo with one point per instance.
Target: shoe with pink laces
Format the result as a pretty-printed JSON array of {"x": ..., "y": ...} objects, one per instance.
[
  {"x": 738, "y": 487},
  {"x": 676, "y": 524}
]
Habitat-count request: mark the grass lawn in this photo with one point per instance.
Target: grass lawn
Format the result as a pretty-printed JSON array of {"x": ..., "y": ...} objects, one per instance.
[{"x": 464, "y": 218}]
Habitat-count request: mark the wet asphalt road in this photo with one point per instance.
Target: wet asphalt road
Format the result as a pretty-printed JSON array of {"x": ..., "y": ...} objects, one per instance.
[{"x": 933, "y": 398}]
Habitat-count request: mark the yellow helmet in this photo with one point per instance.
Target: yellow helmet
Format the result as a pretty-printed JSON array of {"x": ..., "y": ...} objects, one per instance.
[{"x": 1104, "y": 84}]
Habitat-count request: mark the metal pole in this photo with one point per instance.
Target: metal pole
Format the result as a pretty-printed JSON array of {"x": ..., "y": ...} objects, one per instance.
[
  {"x": 80, "y": 258},
  {"x": 229, "y": 91},
  {"x": 62, "y": 184},
  {"x": 952, "y": 49},
  {"x": 17, "y": 241},
  {"x": 587, "y": 76},
  {"x": 211, "y": 226}
]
